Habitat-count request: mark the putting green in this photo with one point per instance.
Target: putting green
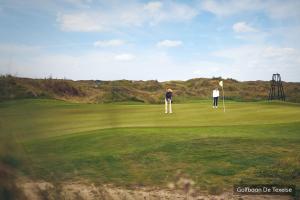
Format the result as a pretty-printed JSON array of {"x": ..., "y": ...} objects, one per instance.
[{"x": 138, "y": 144}]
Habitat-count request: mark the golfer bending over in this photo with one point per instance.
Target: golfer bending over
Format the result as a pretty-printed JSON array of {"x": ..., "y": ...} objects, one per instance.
[
  {"x": 216, "y": 95},
  {"x": 168, "y": 101}
]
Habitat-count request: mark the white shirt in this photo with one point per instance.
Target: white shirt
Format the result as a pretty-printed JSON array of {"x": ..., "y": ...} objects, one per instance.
[{"x": 216, "y": 93}]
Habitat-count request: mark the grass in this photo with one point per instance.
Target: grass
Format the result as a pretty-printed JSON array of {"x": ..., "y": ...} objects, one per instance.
[{"x": 137, "y": 144}]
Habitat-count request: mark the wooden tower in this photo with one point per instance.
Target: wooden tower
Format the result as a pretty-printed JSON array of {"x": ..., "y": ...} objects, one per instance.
[{"x": 276, "y": 90}]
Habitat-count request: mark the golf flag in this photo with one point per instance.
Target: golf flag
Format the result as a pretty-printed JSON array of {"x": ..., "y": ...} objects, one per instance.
[{"x": 221, "y": 83}]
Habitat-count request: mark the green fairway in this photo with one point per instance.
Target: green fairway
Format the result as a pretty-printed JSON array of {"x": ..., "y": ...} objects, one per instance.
[{"x": 138, "y": 144}]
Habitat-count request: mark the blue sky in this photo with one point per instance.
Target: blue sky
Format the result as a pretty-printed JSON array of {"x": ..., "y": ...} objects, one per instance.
[{"x": 142, "y": 40}]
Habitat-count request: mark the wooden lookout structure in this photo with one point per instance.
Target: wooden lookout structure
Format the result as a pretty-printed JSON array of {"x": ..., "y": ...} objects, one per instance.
[{"x": 276, "y": 89}]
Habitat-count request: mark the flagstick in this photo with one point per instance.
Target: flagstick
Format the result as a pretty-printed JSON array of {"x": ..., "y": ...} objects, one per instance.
[{"x": 223, "y": 99}]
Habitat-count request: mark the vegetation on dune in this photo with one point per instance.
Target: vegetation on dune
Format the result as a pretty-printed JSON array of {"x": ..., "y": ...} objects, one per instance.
[{"x": 137, "y": 91}]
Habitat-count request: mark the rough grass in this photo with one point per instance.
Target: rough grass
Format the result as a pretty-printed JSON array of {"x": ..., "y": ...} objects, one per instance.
[{"x": 138, "y": 144}]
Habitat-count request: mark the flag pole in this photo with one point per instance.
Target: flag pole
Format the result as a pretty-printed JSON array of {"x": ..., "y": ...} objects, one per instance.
[{"x": 223, "y": 99}]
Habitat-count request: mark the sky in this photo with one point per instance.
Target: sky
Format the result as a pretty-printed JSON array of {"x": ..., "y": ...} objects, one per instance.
[{"x": 150, "y": 40}]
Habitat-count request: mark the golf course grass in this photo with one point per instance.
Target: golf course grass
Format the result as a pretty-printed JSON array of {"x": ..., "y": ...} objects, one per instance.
[{"x": 140, "y": 145}]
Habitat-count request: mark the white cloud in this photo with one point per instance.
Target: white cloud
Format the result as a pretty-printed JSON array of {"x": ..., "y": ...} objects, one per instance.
[
  {"x": 248, "y": 33},
  {"x": 80, "y": 3},
  {"x": 169, "y": 11},
  {"x": 243, "y": 27},
  {"x": 229, "y": 7},
  {"x": 125, "y": 15},
  {"x": 124, "y": 57},
  {"x": 282, "y": 52},
  {"x": 272, "y": 8},
  {"x": 283, "y": 9},
  {"x": 288, "y": 34},
  {"x": 249, "y": 62},
  {"x": 258, "y": 37},
  {"x": 208, "y": 69},
  {"x": 105, "y": 15},
  {"x": 14, "y": 49},
  {"x": 109, "y": 43},
  {"x": 97, "y": 65},
  {"x": 169, "y": 43},
  {"x": 257, "y": 52},
  {"x": 153, "y": 6},
  {"x": 81, "y": 22},
  {"x": 261, "y": 60}
]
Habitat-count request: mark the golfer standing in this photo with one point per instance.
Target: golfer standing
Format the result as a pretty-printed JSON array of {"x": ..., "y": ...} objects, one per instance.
[
  {"x": 168, "y": 101},
  {"x": 216, "y": 95}
]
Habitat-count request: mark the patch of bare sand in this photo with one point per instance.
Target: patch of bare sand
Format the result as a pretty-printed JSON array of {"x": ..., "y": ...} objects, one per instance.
[
  {"x": 40, "y": 190},
  {"x": 34, "y": 190}
]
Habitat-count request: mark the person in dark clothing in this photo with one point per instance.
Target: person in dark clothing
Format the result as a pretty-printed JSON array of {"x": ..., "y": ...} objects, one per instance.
[
  {"x": 168, "y": 101},
  {"x": 216, "y": 95}
]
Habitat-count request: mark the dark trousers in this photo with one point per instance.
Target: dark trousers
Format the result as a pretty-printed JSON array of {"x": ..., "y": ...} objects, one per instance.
[{"x": 216, "y": 101}]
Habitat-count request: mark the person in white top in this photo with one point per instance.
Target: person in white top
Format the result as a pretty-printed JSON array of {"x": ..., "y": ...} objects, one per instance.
[
  {"x": 216, "y": 95},
  {"x": 168, "y": 101}
]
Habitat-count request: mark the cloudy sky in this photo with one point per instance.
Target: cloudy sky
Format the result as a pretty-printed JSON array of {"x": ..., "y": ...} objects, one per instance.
[{"x": 141, "y": 40}]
